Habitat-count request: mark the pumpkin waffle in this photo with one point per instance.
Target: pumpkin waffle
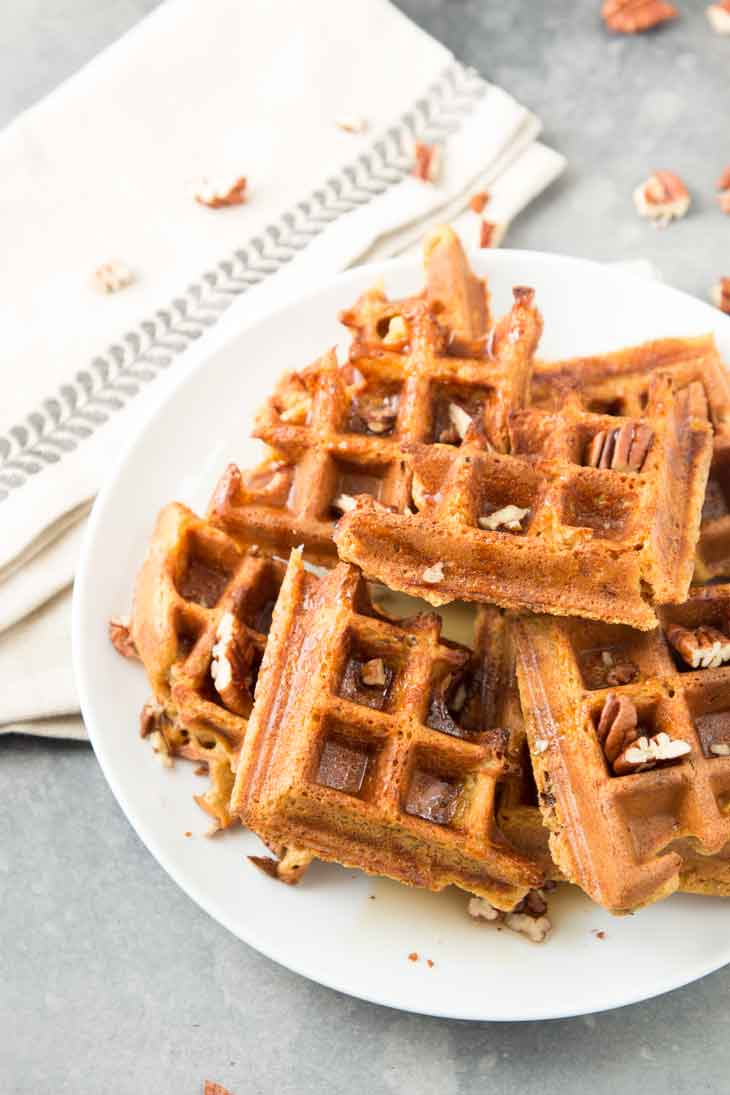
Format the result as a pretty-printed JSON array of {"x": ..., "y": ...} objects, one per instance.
[
  {"x": 367, "y": 745},
  {"x": 630, "y": 744},
  {"x": 588, "y": 514},
  {"x": 336, "y": 431},
  {"x": 202, "y": 609},
  {"x": 618, "y": 383}
]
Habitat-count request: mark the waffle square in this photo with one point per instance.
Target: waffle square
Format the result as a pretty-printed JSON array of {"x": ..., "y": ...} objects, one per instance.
[
  {"x": 572, "y": 521},
  {"x": 618, "y": 383},
  {"x": 337, "y": 431},
  {"x": 201, "y": 614},
  {"x": 353, "y": 753},
  {"x": 632, "y": 838}
]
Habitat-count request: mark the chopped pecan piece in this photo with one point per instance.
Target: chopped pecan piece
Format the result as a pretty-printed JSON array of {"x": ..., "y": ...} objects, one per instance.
[
  {"x": 635, "y": 16},
  {"x": 121, "y": 638},
  {"x": 624, "y": 449},
  {"x": 232, "y": 665},
  {"x": 720, "y": 295},
  {"x": 371, "y": 413},
  {"x": 522, "y": 920},
  {"x": 397, "y": 333},
  {"x": 216, "y": 195},
  {"x": 723, "y": 183},
  {"x": 426, "y": 161},
  {"x": 372, "y": 673},
  {"x": 112, "y": 276},
  {"x": 662, "y": 197},
  {"x": 478, "y": 201},
  {"x": 460, "y": 420},
  {"x": 211, "y": 1088},
  {"x": 288, "y": 868},
  {"x": 700, "y": 647},
  {"x": 488, "y": 234},
  {"x": 608, "y": 669},
  {"x": 509, "y": 517},
  {"x": 646, "y": 753},
  {"x": 351, "y": 123},
  {"x": 719, "y": 17},
  {"x": 434, "y": 574},
  {"x": 617, "y": 726}
]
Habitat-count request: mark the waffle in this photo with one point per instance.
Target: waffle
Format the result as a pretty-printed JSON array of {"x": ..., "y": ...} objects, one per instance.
[
  {"x": 617, "y": 384},
  {"x": 339, "y": 431},
  {"x": 202, "y": 608},
  {"x": 353, "y": 752},
  {"x": 631, "y": 835},
  {"x": 537, "y": 528}
]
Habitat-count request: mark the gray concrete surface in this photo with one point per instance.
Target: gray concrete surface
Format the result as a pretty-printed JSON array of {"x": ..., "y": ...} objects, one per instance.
[{"x": 111, "y": 980}]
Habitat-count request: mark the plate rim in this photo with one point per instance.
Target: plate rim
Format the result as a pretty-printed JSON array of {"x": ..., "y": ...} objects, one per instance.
[{"x": 81, "y": 593}]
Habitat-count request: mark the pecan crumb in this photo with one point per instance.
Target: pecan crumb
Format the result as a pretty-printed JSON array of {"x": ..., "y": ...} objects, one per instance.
[
  {"x": 216, "y": 195},
  {"x": 187, "y": 833},
  {"x": 702, "y": 647},
  {"x": 430, "y": 963},
  {"x": 478, "y": 201},
  {"x": 434, "y": 574},
  {"x": 121, "y": 638},
  {"x": 720, "y": 295},
  {"x": 413, "y": 956},
  {"x": 723, "y": 200},
  {"x": 112, "y": 276},
  {"x": 509, "y": 517},
  {"x": 623, "y": 449},
  {"x": 662, "y": 197},
  {"x": 635, "y": 16},
  {"x": 719, "y": 17},
  {"x": 426, "y": 161}
]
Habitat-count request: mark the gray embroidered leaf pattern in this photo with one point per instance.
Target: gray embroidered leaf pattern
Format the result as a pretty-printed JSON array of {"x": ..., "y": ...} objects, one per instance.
[{"x": 137, "y": 357}]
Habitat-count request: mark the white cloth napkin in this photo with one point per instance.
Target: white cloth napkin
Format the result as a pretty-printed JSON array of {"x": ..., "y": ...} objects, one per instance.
[{"x": 101, "y": 169}]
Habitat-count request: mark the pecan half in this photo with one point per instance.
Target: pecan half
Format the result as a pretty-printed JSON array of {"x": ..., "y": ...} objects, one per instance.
[
  {"x": 719, "y": 17},
  {"x": 426, "y": 161},
  {"x": 623, "y": 449},
  {"x": 635, "y": 16},
  {"x": 232, "y": 665},
  {"x": 121, "y": 637},
  {"x": 720, "y": 295},
  {"x": 646, "y": 753},
  {"x": 662, "y": 197},
  {"x": 700, "y": 647},
  {"x": 216, "y": 195},
  {"x": 617, "y": 726}
]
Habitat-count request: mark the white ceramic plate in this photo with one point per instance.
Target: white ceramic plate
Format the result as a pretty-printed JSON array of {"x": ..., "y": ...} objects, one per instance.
[{"x": 329, "y": 928}]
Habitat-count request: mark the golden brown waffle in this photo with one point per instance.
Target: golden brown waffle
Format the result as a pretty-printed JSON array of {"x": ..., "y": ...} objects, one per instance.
[
  {"x": 633, "y": 838},
  {"x": 202, "y": 609},
  {"x": 339, "y": 431},
  {"x": 618, "y": 384},
  {"x": 366, "y": 745},
  {"x": 540, "y": 529}
]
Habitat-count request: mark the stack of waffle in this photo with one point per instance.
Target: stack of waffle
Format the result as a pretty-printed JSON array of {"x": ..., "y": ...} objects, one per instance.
[{"x": 584, "y": 733}]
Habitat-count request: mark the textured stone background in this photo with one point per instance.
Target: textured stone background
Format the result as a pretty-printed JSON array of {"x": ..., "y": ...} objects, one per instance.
[{"x": 111, "y": 979}]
